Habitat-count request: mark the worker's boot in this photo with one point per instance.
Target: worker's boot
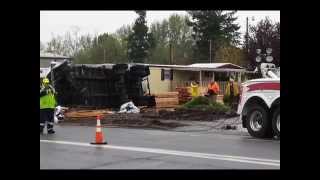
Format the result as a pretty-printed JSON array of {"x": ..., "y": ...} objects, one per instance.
[
  {"x": 51, "y": 131},
  {"x": 50, "y": 128},
  {"x": 41, "y": 128}
]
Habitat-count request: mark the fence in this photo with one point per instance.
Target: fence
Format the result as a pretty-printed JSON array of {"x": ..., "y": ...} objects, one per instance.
[{"x": 204, "y": 86}]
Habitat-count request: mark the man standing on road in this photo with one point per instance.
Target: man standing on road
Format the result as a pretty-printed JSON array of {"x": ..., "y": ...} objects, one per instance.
[{"x": 47, "y": 106}]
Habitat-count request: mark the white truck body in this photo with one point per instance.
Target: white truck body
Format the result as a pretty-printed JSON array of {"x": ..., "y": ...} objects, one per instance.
[
  {"x": 266, "y": 89},
  {"x": 259, "y": 104}
]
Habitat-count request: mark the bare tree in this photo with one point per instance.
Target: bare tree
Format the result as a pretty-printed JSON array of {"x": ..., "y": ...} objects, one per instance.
[{"x": 42, "y": 47}]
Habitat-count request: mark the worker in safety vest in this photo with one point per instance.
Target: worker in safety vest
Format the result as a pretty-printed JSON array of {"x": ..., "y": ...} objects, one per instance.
[
  {"x": 47, "y": 106},
  {"x": 194, "y": 89},
  {"x": 231, "y": 93},
  {"x": 213, "y": 88}
]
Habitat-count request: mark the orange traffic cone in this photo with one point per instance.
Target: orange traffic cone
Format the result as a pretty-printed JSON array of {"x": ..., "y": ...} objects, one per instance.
[{"x": 99, "y": 134}]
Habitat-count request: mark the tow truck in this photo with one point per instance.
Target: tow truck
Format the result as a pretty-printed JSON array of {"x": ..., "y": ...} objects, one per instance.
[{"x": 259, "y": 103}]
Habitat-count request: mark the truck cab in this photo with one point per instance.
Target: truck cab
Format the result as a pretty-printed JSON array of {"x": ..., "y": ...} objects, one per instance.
[{"x": 259, "y": 104}]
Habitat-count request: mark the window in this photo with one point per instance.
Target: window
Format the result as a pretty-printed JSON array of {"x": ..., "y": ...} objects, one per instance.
[{"x": 166, "y": 74}]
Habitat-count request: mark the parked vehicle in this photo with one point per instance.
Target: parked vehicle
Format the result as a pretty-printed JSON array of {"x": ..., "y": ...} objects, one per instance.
[{"x": 259, "y": 104}]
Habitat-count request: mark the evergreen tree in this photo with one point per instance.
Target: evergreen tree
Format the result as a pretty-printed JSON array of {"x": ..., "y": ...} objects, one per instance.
[
  {"x": 214, "y": 26},
  {"x": 140, "y": 41}
]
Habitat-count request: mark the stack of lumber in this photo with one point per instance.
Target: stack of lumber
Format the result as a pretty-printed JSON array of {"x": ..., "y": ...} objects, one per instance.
[
  {"x": 183, "y": 94},
  {"x": 167, "y": 100},
  {"x": 86, "y": 113}
]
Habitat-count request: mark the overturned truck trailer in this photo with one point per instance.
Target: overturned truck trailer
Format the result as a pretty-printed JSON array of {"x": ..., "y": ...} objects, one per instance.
[{"x": 102, "y": 85}]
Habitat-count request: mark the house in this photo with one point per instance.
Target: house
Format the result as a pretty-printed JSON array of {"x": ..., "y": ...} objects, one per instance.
[
  {"x": 47, "y": 58},
  {"x": 166, "y": 78},
  {"x": 45, "y": 62}
]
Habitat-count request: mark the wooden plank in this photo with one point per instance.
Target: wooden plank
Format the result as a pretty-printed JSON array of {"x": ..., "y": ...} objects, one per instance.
[
  {"x": 166, "y": 106},
  {"x": 166, "y": 95},
  {"x": 86, "y": 113},
  {"x": 166, "y": 99}
]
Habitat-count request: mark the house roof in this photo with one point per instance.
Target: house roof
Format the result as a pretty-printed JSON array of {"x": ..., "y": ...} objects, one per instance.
[
  {"x": 217, "y": 67},
  {"x": 52, "y": 56},
  {"x": 44, "y": 72}
]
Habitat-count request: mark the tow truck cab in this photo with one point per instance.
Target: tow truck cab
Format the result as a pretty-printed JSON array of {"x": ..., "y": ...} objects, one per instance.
[{"x": 259, "y": 105}]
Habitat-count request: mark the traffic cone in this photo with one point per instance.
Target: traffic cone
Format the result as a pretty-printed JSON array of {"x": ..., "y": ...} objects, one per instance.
[{"x": 99, "y": 133}]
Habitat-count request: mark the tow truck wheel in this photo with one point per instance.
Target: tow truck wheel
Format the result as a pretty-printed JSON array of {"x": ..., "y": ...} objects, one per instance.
[
  {"x": 276, "y": 122},
  {"x": 258, "y": 124}
]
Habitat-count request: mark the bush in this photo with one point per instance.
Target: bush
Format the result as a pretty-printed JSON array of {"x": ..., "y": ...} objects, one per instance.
[
  {"x": 201, "y": 100},
  {"x": 205, "y": 104},
  {"x": 226, "y": 100},
  {"x": 218, "y": 107}
]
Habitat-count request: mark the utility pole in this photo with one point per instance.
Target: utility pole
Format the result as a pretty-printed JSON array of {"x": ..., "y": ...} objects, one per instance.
[{"x": 210, "y": 52}]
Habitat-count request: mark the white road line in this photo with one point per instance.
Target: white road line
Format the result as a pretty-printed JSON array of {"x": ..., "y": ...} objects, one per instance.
[
  {"x": 242, "y": 159},
  {"x": 193, "y": 135}
]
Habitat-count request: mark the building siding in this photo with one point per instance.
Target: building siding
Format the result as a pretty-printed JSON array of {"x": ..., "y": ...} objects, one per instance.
[{"x": 156, "y": 84}]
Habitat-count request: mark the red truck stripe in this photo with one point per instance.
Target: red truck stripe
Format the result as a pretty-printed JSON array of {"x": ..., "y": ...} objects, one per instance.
[{"x": 264, "y": 86}]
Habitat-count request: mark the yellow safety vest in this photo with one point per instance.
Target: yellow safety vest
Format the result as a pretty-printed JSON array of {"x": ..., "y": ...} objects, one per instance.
[
  {"x": 235, "y": 89},
  {"x": 48, "y": 101},
  {"x": 194, "y": 90}
]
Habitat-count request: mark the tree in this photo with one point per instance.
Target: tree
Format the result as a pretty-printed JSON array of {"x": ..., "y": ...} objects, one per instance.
[
  {"x": 105, "y": 48},
  {"x": 160, "y": 32},
  {"x": 123, "y": 36},
  {"x": 227, "y": 53},
  {"x": 55, "y": 45},
  {"x": 180, "y": 39},
  {"x": 68, "y": 44},
  {"x": 217, "y": 26},
  {"x": 42, "y": 47},
  {"x": 123, "y": 32},
  {"x": 140, "y": 41},
  {"x": 85, "y": 42},
  {"x": 265, "y": 34},
  {"x": 159, "y": 54},
  {"x": 173, "y": 31}
]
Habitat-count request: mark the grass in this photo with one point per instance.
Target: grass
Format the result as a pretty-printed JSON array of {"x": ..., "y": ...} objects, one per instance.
[{"x": 205, "y": 104}]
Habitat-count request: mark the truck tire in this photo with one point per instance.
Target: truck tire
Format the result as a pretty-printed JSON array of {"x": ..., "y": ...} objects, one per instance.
[
  {"x": 276, "y": 122},
  {"x": 257, "y": 123}
]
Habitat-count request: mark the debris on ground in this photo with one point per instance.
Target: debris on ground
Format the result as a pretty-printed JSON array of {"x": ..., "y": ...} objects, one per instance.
[
  {"x": 129, "y": 107},
  {"x": 74, "y": 113},
  {"x": 59, "y": 114},
  {"x": 124, "y": 120},
  {"x": 229, "y": 127},
  {"x": 199, "y": 110}
]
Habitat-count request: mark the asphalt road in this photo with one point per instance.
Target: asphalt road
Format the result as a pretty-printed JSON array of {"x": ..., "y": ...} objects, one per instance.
[{"x": 127, "y": 148}]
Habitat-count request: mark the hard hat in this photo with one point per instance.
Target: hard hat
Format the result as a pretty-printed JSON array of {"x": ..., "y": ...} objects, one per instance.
[{"x": 45, "y": 81}]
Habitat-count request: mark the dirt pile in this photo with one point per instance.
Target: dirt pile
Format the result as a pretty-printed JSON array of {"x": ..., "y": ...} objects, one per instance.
[
  {"x": 190, "y": 114},
  {"x": 123, "y": 120}
]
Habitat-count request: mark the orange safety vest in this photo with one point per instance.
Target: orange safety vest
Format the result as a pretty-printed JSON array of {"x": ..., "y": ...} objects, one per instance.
[{"x": 215, "y": 87}]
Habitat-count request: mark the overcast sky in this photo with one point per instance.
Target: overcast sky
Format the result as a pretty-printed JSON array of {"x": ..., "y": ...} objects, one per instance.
[{"x": 97, "y": 22}]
